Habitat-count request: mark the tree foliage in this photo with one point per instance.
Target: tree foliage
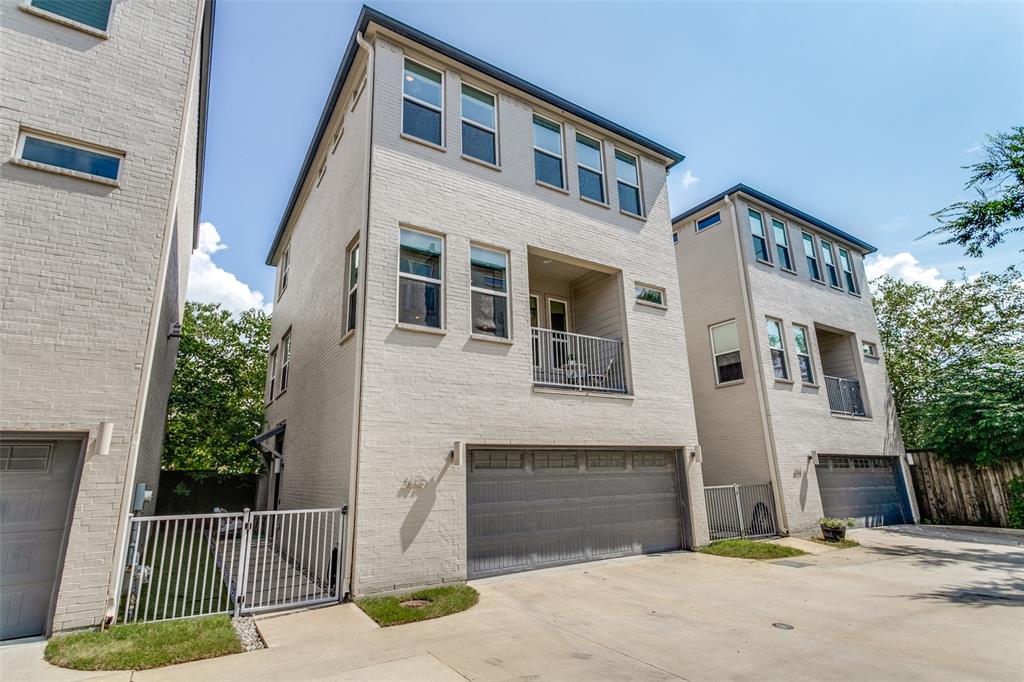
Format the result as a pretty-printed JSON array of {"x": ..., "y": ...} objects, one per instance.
[
  {"x": 955, "y": 358},
  {"x": 216, "y": 401},
  {"x": 999, "y": 209}
]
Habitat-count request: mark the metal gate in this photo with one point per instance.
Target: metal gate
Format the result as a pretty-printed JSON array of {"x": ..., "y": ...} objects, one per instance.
[
  {"x": 240, "y": 562},
  {"x": 740, "y": 511}
]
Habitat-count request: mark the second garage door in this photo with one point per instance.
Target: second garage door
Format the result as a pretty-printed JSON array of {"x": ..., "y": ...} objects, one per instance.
[
  {"x": 866, "y": 489},
  {"x": 535, "y": 508}
]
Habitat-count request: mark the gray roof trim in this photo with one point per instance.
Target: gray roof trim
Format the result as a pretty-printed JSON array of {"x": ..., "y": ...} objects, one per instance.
[
  {"x": 206, "y": 59},
  {"x": 771, "y": 201}
]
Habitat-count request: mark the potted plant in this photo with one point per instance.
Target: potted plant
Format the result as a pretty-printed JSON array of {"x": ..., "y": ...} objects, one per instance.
[{"x": 834, "y": 530}]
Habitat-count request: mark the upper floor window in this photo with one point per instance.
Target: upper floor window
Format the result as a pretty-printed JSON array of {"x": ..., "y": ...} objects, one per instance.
[
  {"x": 760, "y": 238},
  {"x": 352, "y": 302},
  {"x": 420, "y": 278},
  {"x": 650, "y": 294},
  {"x": 778, "y": 348},
  {"x": 286, "y": 259},
  {"x": 489, "y": 290},
  {"x": 782, "y": 243},
  {"x": 547, "y": 152},
  {"x": 828, "y": 255},
  {"x": 590, "y": 163},
  {"x": 709, "y": 221},
  {"x": 812, "y": 257},
  {"x": 628, "y": 176},
  {"x": 802, "y": 341},
  {"x": 848, "y": 275},
  {"x": 422, "y": 103},
  {"x": 675, "y": 237},
  {"x": 869, "y": 349},
  {"x": 286, "y": 357},
  {"x": 72, "y": 156},
  {"x": 93, "y": 13},
  {"x": 725, "y": 346},
  {"x": 271, "y": 374},
  {"x": 479, "y": 125}
]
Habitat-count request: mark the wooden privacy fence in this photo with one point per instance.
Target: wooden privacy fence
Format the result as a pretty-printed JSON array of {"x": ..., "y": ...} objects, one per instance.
[{"x": 962, "y": 494}]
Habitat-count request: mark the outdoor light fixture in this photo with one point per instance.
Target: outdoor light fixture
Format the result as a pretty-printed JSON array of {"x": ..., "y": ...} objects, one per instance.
[
  {"x": 458, "y": 453},
  {"x": 813, "y": 457},
  {"x": 103, "y": 436}
]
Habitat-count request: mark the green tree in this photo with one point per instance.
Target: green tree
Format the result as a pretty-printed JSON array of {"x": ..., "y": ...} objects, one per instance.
[
  {"x": 999, "y": 209},
  {"x": 955, "y": 358},
  {"x": 216, "y": 401}
]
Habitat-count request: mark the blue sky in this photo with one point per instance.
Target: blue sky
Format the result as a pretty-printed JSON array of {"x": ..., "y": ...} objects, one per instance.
[{"x": 861, "y": 114}]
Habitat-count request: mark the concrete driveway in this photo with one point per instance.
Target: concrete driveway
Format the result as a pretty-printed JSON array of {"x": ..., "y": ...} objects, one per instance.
[{"x": 911, "y": 603}]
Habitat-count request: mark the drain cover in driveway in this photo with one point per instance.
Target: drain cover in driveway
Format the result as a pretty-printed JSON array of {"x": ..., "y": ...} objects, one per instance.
[{"x": 790, "y": 562}]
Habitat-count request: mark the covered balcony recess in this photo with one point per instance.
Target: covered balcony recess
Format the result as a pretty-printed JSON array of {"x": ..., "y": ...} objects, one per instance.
[{"x": 839, "y": 361}]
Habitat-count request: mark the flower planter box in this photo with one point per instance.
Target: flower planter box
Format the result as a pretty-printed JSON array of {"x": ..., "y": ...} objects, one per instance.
[{"x": 833, "y": 534}]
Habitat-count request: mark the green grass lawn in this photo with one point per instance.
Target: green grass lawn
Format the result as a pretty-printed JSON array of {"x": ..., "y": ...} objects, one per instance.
[
  {"x": 841, "y": 544},
  {"x": 749, "y": 549},
  {"x": 443, "y": 601},
  {"x": 138, "y": 646}
]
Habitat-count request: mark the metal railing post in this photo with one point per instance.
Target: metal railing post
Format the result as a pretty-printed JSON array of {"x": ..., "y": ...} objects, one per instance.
[
  {"x": 243, "y": 562},
  {"x": 739, "y": 510}
]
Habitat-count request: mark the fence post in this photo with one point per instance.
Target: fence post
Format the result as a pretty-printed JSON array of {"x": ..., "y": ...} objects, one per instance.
[
  {"x": 739, "y": 510},
  {"x": 243, "y": 562}
]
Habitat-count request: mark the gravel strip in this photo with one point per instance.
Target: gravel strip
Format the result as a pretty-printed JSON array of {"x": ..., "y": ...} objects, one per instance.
[{"x": 246, "y": 629}]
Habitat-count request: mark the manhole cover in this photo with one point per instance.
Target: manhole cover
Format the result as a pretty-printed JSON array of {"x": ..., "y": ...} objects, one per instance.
[
  {"x": 782, "y": 626},
  {"x": 414, "y": 603}
]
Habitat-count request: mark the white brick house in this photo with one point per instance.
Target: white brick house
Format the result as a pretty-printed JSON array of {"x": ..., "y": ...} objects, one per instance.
[
  {"x": 482, "y": 359},
  {"x": 788, "y": 379},
  {"x": 102, "y": 127}
]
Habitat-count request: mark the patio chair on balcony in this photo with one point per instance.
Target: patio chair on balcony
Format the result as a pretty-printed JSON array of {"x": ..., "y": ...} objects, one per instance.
[{"x": 603, "y": 380}]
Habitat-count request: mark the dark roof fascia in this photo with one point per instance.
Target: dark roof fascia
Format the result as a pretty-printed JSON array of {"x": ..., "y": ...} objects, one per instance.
[
  {"x": 206, "y": 59},
  {"x": 369, "y": 15},
  {"x": 782, "y": 206}
]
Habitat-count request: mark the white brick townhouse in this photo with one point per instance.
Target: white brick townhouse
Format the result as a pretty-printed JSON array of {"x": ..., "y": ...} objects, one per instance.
[
  {"x": 101, "y": 129},
  {"x": 788, "y": 378},
  {"x": 477, "y": 334}
]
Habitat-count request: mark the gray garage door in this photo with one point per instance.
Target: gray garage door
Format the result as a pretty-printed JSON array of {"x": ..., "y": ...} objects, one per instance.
[
  {"x": 864, "y": 488},
  {"x": 532, "y": 509},
  {"x": 36, "y": 486}
]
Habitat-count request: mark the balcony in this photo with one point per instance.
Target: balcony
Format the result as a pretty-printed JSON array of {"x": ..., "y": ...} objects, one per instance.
[
  {"x": 839, "y": 364},
  {"x": 844, "y": 396},
  {"x": 577, "y": 361}
]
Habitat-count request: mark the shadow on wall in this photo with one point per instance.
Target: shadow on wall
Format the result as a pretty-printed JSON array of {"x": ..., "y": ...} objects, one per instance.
[
  {"x": 424, "y": 492},
  {"x": 893, "y": 437}
]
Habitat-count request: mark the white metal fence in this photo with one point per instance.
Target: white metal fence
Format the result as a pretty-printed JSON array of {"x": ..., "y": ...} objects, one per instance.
[
  {"x": 568, "y": 360},
  {"x": 241, "y": 562},
  {"x": 740, "y": 511}
]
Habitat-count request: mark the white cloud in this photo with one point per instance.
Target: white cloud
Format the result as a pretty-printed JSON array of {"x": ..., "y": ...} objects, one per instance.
[
  {"x": 902, "y": 266},
  {"x": 209, "y": 283},
  {"x": 689, "y": 179},
  {"x": 974, "y": 148}
]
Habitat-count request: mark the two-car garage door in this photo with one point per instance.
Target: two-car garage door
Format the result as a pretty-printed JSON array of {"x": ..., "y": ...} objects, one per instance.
[
  {"x": 535, "y": 508},
  {"x": 867, "y": 489}
]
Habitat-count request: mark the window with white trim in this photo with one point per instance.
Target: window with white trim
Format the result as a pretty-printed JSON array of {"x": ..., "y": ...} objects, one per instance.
[
  {"x": 590, "y": 167},
  {"x": 479, "y": 125},
  {"x": 73, "y": 156},
  {"x": 547, "y": 152},
  {"x": 649, "y": 294},
  {"x": 286, "y": 357},
  {"x": 489, "y": 291},
  {"x": 725, "y": 347},
  {"x": 286, "y": 259},
  {"x": 420, "y": 278},
  {"x": 93, "y": 13},
  {"x": 812, "y": 257},
  {"x": 828, "y": 255},
  {"x": 423, "y": 103},
  {"x": 756, "y": 221},
  {"x": 802, "y": 341},
  {"x": 847, "y": 264},
  {"x": 782, "y": 244},
  {"x": 627, "y": 175},
  {"x": 271, "y": 374},
  {"x": 709, "y": 221},
  {"x": 778, "y": 348},
  {"x": 352, "y": 284},
  {"x": 869, "y": 349}
]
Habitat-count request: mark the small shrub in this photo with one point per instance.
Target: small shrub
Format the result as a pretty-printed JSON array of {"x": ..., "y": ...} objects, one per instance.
[
  {"x": 829, "y": 522},
  {"x": 1015, "y": 502}
]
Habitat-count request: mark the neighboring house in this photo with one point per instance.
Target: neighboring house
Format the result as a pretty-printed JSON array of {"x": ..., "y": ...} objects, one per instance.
[
  {"x": 102, "y": 123},
  {"x": 785, "y": 361},
  {"x": 477, "y": 337}
]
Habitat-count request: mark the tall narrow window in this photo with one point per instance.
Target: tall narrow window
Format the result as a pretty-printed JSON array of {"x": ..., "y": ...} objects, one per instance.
[
  {"x": 489, "y": 290},
  {"x": 847, "y": 265},
  {"x": 479, "y": 125},
  {"x": 420, "y": 278},
  {"x": 803, "y": 353},
  {"x": 812, "y": 257},
  {"x": 271, "y": 374},
  {"x": 759, "y": 236},
  {"x": 94, "y": 13},
  {"x": 778, "y": 348},
  {"x": 286, "y": 356},
  {"x": 422, "y": 103},
  {"x": 286, "y": 259},
  {"x": 590, "y": 164},
  {"x": 547, "y": 152},
  {"x": 828, "y": 255},
  {"x": 628, "y": 177},
  {"x": 77, "y": 157},
  {"x": 782, "y": 243},
  {"x": 353, "y": 287},
  {"x": 725, "y": 345}
]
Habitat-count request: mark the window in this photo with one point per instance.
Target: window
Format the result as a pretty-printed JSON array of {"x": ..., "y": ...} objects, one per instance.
[
  {"x": 479, "y": 125},
  {"x": 869, "y": 349},
  {"x": 94, "y": 13},
  {"x": 760, "y": 238},
  {"x": 590, "y": 164},
  {"x": 782, "y": 244},
  {"x": 352, "y": 302},
  {"x": 420, "y": 278},
  {"x": 829, "y": 257},
  {"x": 861, "y": 463},
  {"x": 709, "y": 221},
  {"x": 547, "y": 152},
  {"x": 286, "y": 356},
  {"x": 847, "y": 265},
  {"x": 643, "y": 460},
  {"x": 497, "y": 460},
  {"x": 286, "y": 259},
  {"x": 675, "y": 237},
  {"x": 271, "y": 374},
  {"x": 70, "y": 156},
  {"x": 649, "y": 294},
  {"x": 629, "y": 183},
  {"x": 555, "y": 460},
  {"x": 488, "y": 288},
  {"x": 725, "y": 345},
  {"x": 803, "y": 353},
  {"x": 601, "y": 459},
  {"x": 422, "y": 103},
  {"x": 812, "y": 257},
  {"x": 778, "y": 348}
]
